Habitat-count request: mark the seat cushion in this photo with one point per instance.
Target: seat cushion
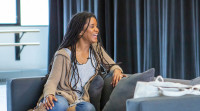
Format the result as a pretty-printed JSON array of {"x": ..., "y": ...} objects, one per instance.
[{"x": 125, "y": 90}]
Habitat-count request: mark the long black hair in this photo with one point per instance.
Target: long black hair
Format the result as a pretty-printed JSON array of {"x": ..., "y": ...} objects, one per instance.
[{"x": 74, "y": 28}]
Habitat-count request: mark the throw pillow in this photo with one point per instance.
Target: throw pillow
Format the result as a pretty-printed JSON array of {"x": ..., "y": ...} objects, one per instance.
[
  {"x": 125, "y": 90},
  {"x": 95, "y": 91},
  {"x": 107, "y": 90}
]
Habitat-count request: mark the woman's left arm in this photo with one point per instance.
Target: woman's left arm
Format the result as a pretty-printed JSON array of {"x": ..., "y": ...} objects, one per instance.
[
  {"x": 117, "y": 76},
  {"x": 116, "y": 70}
]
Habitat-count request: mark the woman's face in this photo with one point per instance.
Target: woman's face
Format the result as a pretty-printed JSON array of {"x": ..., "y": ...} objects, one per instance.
[{"x": 92, "y": 31}]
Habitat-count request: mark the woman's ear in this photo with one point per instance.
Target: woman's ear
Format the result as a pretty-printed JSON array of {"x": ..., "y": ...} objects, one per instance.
[{"x": 80, "y": 34}]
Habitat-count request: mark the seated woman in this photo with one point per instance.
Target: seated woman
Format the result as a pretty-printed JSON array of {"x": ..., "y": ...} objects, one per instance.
[{"x": 75, "y": 65}]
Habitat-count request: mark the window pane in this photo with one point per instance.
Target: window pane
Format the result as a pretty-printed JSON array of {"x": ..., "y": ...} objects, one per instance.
[
  {"x": 34, "y": 12},
  {"x": 8, "y": 12}
]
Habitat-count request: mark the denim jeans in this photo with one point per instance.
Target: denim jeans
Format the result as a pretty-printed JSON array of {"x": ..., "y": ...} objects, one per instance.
[{"x": 62, "y": 105}]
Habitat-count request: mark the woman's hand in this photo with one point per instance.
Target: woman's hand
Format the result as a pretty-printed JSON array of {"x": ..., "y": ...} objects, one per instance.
[
  {"x": 48, "y": 101},
  {"x": 117, "y": 75}
]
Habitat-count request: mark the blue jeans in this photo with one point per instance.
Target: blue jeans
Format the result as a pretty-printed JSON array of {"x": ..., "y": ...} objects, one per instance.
[{"x": 62, "y": 105}]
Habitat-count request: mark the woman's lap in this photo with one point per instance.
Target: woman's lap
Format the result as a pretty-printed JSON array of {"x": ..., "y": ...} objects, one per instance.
[
  {"x": 62, "y": 104},
  {"x": 85, "y": 106}
]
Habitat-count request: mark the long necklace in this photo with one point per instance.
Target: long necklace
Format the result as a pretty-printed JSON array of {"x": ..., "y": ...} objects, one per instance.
[{"x": 81, "y": 59}]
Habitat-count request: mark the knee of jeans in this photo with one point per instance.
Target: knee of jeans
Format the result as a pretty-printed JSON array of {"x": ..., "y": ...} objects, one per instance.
[
  {"x": 60, "y": 105},
  {"x": 61, "y": 99},
  {"x": 86, "y": 106}
]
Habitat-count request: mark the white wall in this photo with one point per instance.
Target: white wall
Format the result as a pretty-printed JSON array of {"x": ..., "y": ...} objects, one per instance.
[{"x": 32, "y": 57}]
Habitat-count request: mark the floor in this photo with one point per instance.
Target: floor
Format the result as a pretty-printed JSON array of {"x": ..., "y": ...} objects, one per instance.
[{"x": 3, "y": 100}]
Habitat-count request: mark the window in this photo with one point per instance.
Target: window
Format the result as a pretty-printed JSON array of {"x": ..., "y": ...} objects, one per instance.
[
  {"x": 34, "y": 12},
  {"x": 24, "y": 12},
  {"x": 8, "y": 12}
]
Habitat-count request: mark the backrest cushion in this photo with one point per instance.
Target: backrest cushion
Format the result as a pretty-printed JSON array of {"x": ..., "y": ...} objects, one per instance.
[
  {"x": 23, "y": 93},
  {"x": 195, "y": 81},
  {"x": 107, "y": 90},
  {"x": 125, "y": 90},
  {"x": 94, "y": 91}
]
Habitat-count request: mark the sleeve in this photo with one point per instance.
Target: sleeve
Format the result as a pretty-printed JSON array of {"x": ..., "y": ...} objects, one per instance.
[
  {"x": 110, "y": 61},
  {"x": 54, "y": 77}
]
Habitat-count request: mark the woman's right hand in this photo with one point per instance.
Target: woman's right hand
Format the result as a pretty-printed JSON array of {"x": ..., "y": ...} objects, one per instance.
[{"x": 48, "y": 101}]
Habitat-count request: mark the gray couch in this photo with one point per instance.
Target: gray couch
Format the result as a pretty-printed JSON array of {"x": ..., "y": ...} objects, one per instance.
[
  {"x": 23, "y": 94},
  {"x": 182, "y": 103}
]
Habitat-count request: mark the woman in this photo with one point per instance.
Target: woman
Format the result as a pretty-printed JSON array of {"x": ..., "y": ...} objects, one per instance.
[{"x": 75, "y": 64}]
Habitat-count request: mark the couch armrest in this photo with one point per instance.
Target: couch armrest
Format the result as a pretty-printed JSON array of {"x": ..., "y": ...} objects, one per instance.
[
  {"x": 182, "y": 103},
  {"x": 23, "y": 93}
]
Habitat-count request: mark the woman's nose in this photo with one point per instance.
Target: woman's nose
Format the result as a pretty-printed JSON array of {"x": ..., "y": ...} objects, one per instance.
[{"x": 97, "y": 29}]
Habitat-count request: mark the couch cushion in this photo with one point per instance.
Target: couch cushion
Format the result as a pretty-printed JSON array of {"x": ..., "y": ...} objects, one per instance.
[
  {"x": 182, "y": 81},
  {"x": 23, "y": 93},
  {"x": 107, "y": 90},
  {"x": 95, "y": 89},
  {"x": 164, "y": 103},
  {"x": 195, "y": 81},
  {"x": 125, "y": 90}
]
